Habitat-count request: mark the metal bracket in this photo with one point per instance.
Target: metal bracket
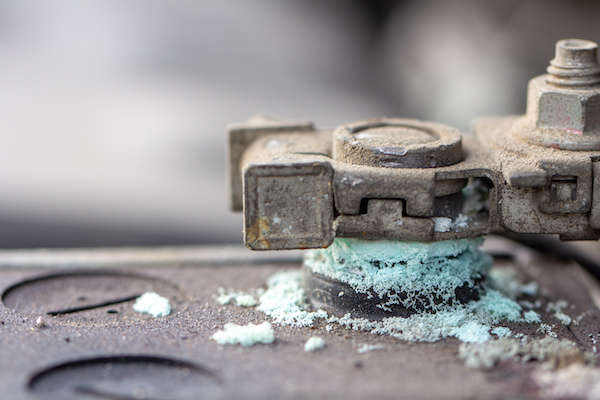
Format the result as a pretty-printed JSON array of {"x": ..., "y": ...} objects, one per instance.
[{"x": 406, "y": 179}]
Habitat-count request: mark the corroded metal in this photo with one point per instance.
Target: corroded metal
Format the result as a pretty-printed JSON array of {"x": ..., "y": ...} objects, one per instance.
[
  {"x": 397, "y": 143},
  {"x": 405, "y": 179},
  {"x": 339, "y": 298},
  {"x": 116, "y": 353}
]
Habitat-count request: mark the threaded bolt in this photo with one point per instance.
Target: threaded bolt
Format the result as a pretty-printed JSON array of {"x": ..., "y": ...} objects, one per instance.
[{"x": 575, "y": 63}]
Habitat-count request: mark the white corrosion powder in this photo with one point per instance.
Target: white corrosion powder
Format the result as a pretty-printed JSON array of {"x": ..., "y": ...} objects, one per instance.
[
  {"x": 445, "y": 224},
  {"x": 246, "y": 335},
  {"x": 284, "y": 300},
  {"x": 531, "y": 316},
  {"x": 472, "y": 322},
  {"x": 501, "y": 331},
  {"x": 487, "y": 355},
  {"x": 152, "y": 303},
  {"x": 369, "y": 347},
  {"x": 385, "y": 268},
  {"x": 240, "y": 298},
  {"x": 557, "y": 308},
  {"x": 314, "y": 343}
]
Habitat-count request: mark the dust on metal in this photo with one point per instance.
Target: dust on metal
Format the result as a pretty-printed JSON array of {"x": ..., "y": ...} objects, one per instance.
[{"x": 300, "y": 187}]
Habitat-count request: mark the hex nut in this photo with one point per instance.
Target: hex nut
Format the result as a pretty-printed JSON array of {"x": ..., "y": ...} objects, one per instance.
[
  {"x": 563, "y": 106},
  {"x": 574, "y": 110}
]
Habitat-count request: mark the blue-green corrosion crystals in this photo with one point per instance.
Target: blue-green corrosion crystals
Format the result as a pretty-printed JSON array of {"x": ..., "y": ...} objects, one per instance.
[
  {"x": 415, "y": 275},
  {"x": 417, "y": 286},
  {"x": 395, "y": 275}
]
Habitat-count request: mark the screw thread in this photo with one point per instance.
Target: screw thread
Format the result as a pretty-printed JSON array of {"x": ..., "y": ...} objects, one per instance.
[{"x": 575, "y": 63}]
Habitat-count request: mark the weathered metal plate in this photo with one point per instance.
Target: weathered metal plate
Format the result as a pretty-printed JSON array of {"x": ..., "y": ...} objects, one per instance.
[
  {"x": 288, "y": 206},
  {"x": 127, "y": 355}
]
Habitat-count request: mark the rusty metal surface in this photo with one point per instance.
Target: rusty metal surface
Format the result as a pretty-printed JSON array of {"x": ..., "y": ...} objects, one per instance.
[
  {"x": 394, "y": 178},
  {"x": 113, "y": 352}
]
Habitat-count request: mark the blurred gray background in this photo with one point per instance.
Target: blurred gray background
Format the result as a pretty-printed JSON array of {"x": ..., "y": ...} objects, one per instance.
[{"x": 113, "y": 112}]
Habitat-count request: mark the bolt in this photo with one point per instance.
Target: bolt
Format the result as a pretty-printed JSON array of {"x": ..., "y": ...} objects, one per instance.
[
  {"x": 564, "y": 105},
  {"x": 575, "y": 63}
]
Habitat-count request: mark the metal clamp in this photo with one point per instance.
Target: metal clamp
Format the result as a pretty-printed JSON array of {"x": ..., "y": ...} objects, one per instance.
[{"x": 300, "y": 187}]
